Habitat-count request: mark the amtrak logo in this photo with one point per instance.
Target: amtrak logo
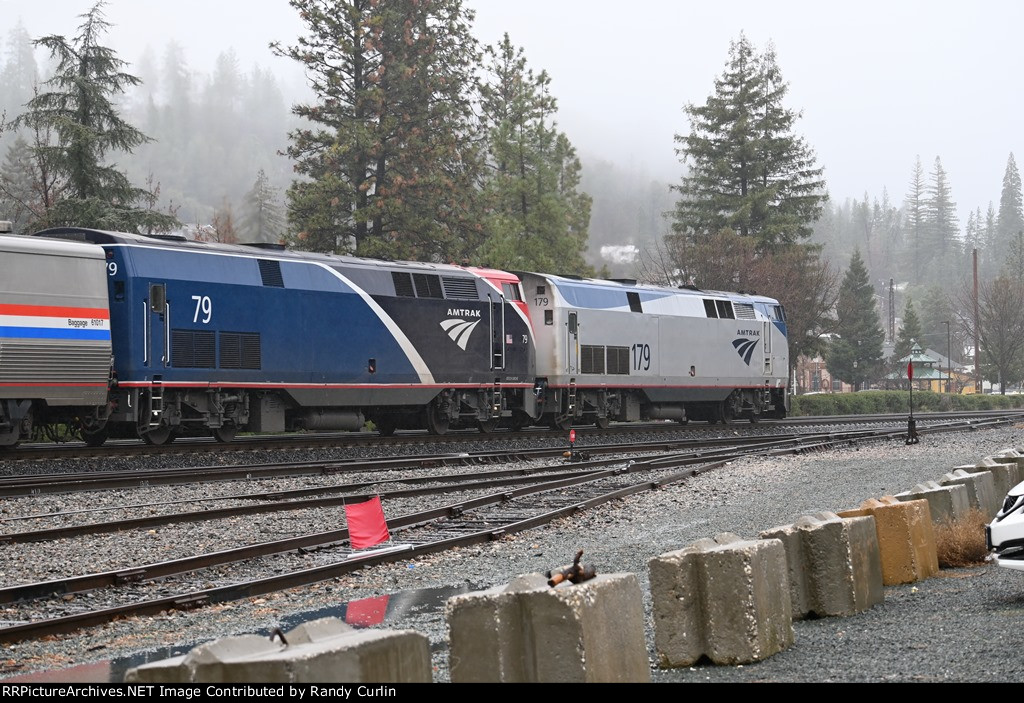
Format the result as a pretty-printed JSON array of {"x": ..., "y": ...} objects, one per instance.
[
  {"x": 459, "y": 330},
  {"x": 745, "y": 348}
]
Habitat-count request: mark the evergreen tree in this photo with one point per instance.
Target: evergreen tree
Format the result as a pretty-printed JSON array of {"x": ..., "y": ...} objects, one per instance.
[
  {"x": 747, "y": 171},
  {"x": 391, "y": 160},
  {"x": 537, "y": 217},
  {"x": 1010, "y": 220},
  {"x": 909, "y": 333},
  {"x": 262, "y": 220},
  {"x": 991, "y": 258},
  {"x": 19, "y": 74},
  {"x": 18, "y": 195},
  {"x": 856, "y": 355},
  {"x": 87, "y": 126},
  {"x": 915, "y": 223},
  {"x": 943, "y": 229}
]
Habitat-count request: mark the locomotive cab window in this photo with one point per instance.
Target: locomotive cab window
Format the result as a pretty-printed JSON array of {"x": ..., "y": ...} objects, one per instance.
[
  {"x": 778, "y": 313},
  {"x": 511, "y": 291},
  {"x": 157, "y": 297},
  {"x": 634, "y": 302}
]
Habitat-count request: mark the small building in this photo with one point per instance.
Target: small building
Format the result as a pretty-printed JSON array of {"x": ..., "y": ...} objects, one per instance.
[
  {"x": 928, "y": 372},
  {"x": 812, "y": 376}
]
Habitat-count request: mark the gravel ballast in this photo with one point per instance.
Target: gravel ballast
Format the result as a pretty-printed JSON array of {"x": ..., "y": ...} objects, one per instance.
[{"x": 959, "y": 626}]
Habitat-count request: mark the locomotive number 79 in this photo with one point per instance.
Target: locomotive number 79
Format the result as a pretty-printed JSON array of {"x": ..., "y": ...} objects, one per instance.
[{"x": 203, "y": 305}]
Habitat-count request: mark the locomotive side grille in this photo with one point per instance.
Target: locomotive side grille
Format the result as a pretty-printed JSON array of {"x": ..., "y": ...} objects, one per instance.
[
  {"x": 192, "y": 349},
  {"x": 39, "y": 362},
  {"x": 618, "y": 360},
  {"x": 744, "y": 311},
  {"x": 459, "y": 288},
  {"x": 403, "y": 284},
  {"x": 591, "y": 359},
  {"x": 240, "y": 350},
  {"x": 427, "y": 285},
  {"x": 270, "y": 272}
]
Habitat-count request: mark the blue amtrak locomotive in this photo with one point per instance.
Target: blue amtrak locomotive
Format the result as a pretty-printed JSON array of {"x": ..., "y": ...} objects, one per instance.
[
  {"x": 216, "y": 338},
  {"x": 206, "y": 338}
]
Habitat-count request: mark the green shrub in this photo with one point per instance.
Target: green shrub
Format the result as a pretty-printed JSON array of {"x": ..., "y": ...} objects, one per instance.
[{"x": 867, "y": 402}]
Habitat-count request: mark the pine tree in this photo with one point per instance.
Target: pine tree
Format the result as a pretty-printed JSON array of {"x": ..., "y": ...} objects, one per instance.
[
  {"x": 18, "y": 194},
  {"x": 915, "y": 223},
  {"x": 942, "y": 226},
  {"x": 992, "y": 258},
  {"x": 747, "y": 170},
  {"x": 856, "y": 355},
  {"x": 19, "y": 74},
  {"x": 391, "y": 160},
  {"x": 80, "y": 111},
  {"x": 909, "y": 333},
  {"x": 537, "y": 218},
  {"x": 1010, "y": 219},
  {"x": 261, "y": 219}
]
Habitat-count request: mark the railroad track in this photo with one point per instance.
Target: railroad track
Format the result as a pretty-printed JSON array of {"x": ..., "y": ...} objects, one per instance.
[
  {"x": 27, "y": 453},
  {"x": 482, "y": 514}
]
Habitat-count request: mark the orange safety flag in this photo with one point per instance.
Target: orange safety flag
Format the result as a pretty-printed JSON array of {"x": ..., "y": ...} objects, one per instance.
[{"x": 366, "y": 524}]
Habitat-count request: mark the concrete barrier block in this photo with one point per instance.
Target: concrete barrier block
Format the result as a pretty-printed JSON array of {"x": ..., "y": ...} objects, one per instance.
[
  {"x": 946, "y": 504},
  {"x": 1004, "y": 469},
  {"x": 906, "y": 539},
  {"x": 325, "y": 650},
  {"x": 725, "y": 598},
  {"x": 1009, "y": 456},
  {"x": 528, "y": 632},
  {"x": 981, "y": 489},
  {"x": 834, "y": 564}
]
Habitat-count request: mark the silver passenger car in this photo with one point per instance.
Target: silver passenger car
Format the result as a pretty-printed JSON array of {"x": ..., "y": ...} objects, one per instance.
[{"x": 55, "y": 351}]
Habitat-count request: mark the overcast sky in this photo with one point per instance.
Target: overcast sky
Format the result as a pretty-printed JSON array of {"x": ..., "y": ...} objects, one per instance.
[{"x": 878, "y": 83}]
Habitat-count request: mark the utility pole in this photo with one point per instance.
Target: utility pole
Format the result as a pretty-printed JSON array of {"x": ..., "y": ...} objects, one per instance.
[{"x": 892, "y": 311}]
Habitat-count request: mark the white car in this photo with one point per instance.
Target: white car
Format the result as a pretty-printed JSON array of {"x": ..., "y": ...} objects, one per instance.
[{"x": 1004, "y": 536}]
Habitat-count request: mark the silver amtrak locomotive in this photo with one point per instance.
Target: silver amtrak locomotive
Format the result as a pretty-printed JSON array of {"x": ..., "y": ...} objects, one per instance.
[{"x": 617, "y": 350}]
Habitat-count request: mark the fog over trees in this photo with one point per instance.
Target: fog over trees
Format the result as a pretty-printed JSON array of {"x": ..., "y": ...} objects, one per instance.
[{"x": 368, "y": 159}]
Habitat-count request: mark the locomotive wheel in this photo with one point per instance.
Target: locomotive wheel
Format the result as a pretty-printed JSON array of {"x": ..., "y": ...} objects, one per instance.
[
  {"x": 436, "y": 422},
  {"x": 488, "y": 426},
  {"x": 225, "y": 433},
  {"x": 157, "y": 436},
  {"x": 602, "y": 423}
]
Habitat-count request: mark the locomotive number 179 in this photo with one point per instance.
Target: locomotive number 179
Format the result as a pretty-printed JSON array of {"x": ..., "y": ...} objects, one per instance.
[{"x": 641, "y": 357}]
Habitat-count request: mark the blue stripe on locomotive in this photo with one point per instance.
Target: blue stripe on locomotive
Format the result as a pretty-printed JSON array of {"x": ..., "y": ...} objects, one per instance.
[
  {"x": 53, "y": 333},
  {"x": 316, "y": 329}
]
